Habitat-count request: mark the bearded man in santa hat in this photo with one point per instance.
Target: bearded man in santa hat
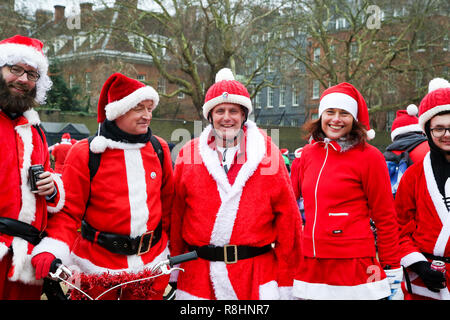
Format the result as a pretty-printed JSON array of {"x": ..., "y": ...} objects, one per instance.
[
  {"x": 123, "y": 209},
  {"x": 23, "y": 212},
  {"x": 423, "y": 202},
  {"x": 234, "y": 205}
]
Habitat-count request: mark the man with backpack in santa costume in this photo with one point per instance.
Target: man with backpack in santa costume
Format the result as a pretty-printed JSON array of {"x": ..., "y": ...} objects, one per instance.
[
  {"x": 122, "y": 203},
  {"x": 423, "y": 202},
  {"x": 234, "y": 205},
  {"x": 23, "y": 213}
]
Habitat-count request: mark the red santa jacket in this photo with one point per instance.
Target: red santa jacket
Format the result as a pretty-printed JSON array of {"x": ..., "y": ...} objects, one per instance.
[
  {"x": 60, "y": 152},
  {"x": 424, "y": 221},
  {"x": 21, "y": 146},
  {"x": 341, "y": 192},
  {"x": 255, "y": 208},
  {"x": 129, "y": 195}
]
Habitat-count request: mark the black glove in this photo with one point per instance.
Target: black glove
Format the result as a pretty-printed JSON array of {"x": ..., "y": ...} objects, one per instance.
[{"x": 434, "y": 280}]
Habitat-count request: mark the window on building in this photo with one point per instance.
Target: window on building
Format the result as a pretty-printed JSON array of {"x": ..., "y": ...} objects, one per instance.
[
  {"x": 341, "y": 23},
  {"x": 294, "y": 92},
  {"x": 316, "y": 57},
  {"x": 180, "y": 94},
  {"x": 353, "y": 50},
  {"x": 88, "y": 81},
  {"x": 316, "y": 89},
  {"x": 390, "y": 118},
  {"x": 282, "y": 96},
  {"x": 71, "y": 81},
  {"x": 270, "y": 98},
  {"x": 257, "y": 101},
  {"x": 162, "y": 85},
  {"x": 141, "y": 77},
  {"x": 333, "y": 53}
]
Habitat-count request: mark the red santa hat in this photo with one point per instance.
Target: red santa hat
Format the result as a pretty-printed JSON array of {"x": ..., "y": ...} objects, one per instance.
[
  {"x": 347, "y": 97},
  {"x": 406, "y": 121},
  {"x": 226, "y": 90},
  {"x": 436, "y": 101},
  {"x": 285, "y": 152},
  {"x": 120, "y": 94},
  {"x": 20, "y": 49},
  {"x": 66, "y": 138}
]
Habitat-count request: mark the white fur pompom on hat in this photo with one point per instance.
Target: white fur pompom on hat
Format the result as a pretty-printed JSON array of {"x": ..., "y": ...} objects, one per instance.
[
  {"x": 438, "y": 83},
  {"x": 98, "y": 144},
  {"x": 412, "y": 110},
  {"x": 224, "y": 74}
]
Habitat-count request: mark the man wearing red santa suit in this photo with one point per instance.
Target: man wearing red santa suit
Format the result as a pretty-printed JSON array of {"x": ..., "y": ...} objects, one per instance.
[
  {"x": 23, "y": 213},
  {"x": 124, "y": 210},
  {"x": 59, "y": 152},
  {"x": 344, "y": 183},
  {"x": 233, "y": 201},
  {"x": 423, "y": 201}
]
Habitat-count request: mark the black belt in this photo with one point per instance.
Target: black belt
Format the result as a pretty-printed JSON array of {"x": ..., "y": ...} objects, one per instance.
[
  {"x": 16, "y": 228},
  {"x": 121, "y": 244},
  {"x": 433, "y": 257},
  {"x": 229, "y": 253}
]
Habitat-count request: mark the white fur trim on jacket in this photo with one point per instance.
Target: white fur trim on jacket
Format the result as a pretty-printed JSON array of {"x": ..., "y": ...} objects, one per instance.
[
  {"x": 62, "y": 194},
  {"x": 439, "y": 204},
  {"x": 321, "y": 291},
  {"x": 230, "y": 197},
  {"x": 117, "y": 108},
  {"x": 11, "y": 53},
  {"x": 56, "y": 247}
]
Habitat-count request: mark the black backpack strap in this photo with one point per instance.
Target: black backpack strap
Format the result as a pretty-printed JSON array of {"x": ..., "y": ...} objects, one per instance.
[
  {"x": 39, "y": 130},
  {"x": 94, "y": 159},
  {"x": 158, "y": 149}
]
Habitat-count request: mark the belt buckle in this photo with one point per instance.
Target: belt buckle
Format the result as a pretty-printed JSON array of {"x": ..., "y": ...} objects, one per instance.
[
  {"x": 141, "y": 241},
  {"x": 225, "y": 255}
]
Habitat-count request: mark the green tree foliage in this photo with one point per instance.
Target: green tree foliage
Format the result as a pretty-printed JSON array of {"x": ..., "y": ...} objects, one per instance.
[{"x": 61, "y": 96}]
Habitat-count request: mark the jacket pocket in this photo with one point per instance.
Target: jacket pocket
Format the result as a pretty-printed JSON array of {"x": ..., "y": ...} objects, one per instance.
[{"x": 336, "y": 223}]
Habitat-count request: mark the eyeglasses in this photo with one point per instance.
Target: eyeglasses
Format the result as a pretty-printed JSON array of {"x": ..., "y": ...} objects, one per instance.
[
  {"x": 19, "y": 71},
  {"x": 439, "y": 132}
]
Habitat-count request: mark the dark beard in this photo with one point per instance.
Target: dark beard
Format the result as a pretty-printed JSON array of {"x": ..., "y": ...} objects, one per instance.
[{"x": 13, "y": 104}]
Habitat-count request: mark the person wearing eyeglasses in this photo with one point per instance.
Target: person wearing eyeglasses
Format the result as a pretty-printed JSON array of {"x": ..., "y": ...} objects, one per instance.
[
  {"x": 23, "y": 211},
  {"x": 423, "y": 202}
]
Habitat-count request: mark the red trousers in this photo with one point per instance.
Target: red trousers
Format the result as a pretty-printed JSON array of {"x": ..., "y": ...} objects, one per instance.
[{"x": 10, "y": 290}]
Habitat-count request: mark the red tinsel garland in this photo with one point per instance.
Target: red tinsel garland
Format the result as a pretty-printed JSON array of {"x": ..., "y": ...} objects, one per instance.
[{"x": 95, "y": 284}]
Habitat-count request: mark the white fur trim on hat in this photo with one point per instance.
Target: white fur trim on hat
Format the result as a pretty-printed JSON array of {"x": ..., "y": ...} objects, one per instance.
[
  {"x": 424, "y": 117},
  {"x": 227, "y": 98},
  {"x": 12, "y": 53},
  {"x": 120, "y": 107},
  {"x": 341, "y": 101},
  {"x": 405, "y": 129}
]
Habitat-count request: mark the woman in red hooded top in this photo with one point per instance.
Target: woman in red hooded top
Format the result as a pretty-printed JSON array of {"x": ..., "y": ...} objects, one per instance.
[{"x": 344, "y": 183}]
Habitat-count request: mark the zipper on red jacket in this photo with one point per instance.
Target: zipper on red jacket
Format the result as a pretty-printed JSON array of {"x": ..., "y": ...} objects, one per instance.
[{"x": 327, "y": 143}]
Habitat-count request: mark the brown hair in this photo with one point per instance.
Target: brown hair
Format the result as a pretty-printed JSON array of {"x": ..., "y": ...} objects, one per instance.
[{"x": 313, "y": 129}]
